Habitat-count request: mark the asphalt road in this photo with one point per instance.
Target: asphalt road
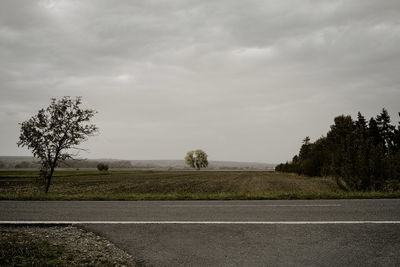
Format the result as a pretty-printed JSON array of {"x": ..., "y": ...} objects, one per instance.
[{"x": 278, "y": 233}]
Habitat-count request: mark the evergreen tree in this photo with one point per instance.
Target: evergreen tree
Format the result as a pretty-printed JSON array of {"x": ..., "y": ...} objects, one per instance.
[
  {"x": 361, "y": 126},
  {"x": 305, "y": 148},
  {"x": 373, "y": 132},
  {"x": 386, "y": 130}
]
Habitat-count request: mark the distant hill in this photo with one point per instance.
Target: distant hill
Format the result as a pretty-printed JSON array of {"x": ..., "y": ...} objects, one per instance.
[{"x": 10, "y": 162}]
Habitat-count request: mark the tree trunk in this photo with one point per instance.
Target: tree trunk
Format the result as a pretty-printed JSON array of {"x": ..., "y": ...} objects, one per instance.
[{"x": 48, "y": 180}]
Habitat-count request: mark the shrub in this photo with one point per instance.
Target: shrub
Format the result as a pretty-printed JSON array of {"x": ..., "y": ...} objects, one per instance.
[
  {"x": 391, "y": 185},
  {"x": 102, "y": 167}
]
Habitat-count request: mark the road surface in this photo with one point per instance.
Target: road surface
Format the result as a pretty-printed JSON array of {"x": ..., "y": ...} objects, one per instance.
[{"x": 233, "y": 233}]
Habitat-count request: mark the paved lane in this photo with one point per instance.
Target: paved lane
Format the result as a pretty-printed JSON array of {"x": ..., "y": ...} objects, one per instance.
[
  {"x": 257, "y": 245},
  {"x": 274, "y": 210},
  {"x": 235, "y": 244}
]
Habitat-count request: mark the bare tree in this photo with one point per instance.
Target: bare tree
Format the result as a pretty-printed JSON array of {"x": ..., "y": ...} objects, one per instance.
[{"x": 54, "y": 131}]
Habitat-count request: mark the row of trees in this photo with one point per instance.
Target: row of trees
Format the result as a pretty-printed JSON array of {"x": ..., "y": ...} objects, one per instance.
[{"x": 362, "y": 155}]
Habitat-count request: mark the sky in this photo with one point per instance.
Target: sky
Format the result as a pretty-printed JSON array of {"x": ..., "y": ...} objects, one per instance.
[{"x": 242, "y": 80}]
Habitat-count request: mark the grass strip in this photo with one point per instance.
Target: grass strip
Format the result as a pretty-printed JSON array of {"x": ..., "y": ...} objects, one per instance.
[{"x": 205, "y": 196}]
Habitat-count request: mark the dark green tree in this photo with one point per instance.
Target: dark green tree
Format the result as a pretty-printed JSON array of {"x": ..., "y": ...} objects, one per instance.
[
  {"x": 386, "y": 130},
  {"x": 339, "y": 142},
  {"x": 305, "y": 148},
  {"x": 362, "y": 153}
]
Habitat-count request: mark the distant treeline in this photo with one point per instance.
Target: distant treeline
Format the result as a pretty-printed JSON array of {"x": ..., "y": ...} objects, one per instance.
[
  {"x": 25, "y": 164},
  {"x": 93, "y": 164},
  {"x": 362, "y": 155}
]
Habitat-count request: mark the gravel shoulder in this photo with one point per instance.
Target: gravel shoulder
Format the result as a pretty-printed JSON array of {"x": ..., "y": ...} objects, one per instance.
[{"x": 60, "y": 246}]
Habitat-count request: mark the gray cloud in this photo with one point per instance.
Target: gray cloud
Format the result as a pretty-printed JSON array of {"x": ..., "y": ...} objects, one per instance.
[{"x": 244, "y": 80}]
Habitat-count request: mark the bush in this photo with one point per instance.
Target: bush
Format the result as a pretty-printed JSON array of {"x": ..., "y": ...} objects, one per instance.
[
  {"x": 102, "y": 167},
  {"x": 391, "y": 185}
]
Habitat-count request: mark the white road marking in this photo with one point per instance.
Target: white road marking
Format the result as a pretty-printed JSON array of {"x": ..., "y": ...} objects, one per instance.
[
  {"x": 249, "y": 205},
  {"x": 199, "y": 222}
]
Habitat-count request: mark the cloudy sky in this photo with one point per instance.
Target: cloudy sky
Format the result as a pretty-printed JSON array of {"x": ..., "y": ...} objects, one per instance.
[{"x": 243, "y": 80}]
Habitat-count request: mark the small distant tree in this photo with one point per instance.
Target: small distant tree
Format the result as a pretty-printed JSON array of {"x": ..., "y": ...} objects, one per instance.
[
  {"x": 102, "y": 167},
  {"x": 197, "y": 159},
  {"x": 54, "y": 131}
]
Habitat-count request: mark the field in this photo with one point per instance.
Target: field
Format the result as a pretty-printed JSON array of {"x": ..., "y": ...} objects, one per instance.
[{"x": 173, "y": 185}]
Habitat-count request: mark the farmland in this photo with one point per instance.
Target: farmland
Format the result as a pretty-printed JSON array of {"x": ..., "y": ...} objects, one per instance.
[{"x": 173, "y": 185}]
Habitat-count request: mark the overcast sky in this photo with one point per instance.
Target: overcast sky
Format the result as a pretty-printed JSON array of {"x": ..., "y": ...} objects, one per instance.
[{"x": 243, "y": 80}]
